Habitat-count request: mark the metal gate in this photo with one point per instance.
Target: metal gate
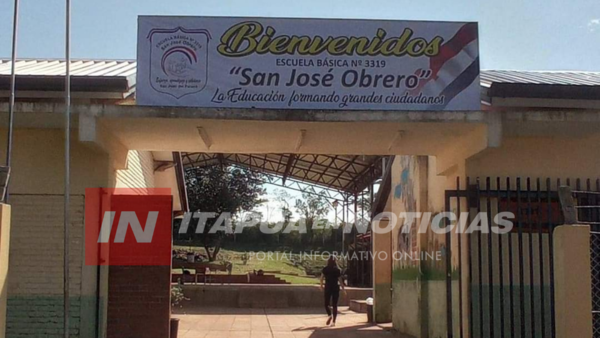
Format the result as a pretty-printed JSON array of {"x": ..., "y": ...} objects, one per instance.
[{"x": 502, "y": 285}]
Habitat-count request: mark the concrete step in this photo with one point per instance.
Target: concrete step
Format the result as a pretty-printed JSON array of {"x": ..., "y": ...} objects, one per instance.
[
  {"x": 257, "y": 295},
  {"x": 228, "y": 279}
]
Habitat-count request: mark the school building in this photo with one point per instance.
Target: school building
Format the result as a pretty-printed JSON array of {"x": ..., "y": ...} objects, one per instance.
[{"x": 534, "y": 132}]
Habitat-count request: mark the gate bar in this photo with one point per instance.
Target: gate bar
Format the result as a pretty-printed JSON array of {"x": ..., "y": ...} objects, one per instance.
[
  {"x": 490, "y": 256},
  {"x": 501, "y": 259},
  {"x": 448, "y": 274},
  {"x": 470, "y": 261},
  {"x": 538, "y": 196},
  {"x": 511, "y": 269},
  {"x": 551, "y": 258},
  {"x": 479, "y": 261},
  {"x": 459, "y": 238},
  {"x": 521, "y": 267},
  {"x": 531, "y": 269}
]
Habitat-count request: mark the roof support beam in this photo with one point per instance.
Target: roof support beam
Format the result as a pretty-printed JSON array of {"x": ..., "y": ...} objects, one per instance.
[
  {"x": 288, "y": 167},
  {"x": 331, "y": 162},
  {"x": 180, "y": 177},
  {"x": 369, "y": 174},
  {"x": 330, "y": 174},
  {"x": 345, "y": 168}
]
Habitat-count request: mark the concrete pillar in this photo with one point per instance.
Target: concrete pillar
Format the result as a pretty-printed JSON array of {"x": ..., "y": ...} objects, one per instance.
[
  {"x": 572, "y": 281},
  {"x": 382, "y": 273},
  {"x": 4, "y": 243}
]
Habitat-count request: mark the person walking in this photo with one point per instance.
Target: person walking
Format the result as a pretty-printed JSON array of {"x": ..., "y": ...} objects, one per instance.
[{"x": 333, "y": 281}]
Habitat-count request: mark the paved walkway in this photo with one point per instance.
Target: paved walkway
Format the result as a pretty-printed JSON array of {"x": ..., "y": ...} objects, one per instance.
[{"x": 275, "y": 323}]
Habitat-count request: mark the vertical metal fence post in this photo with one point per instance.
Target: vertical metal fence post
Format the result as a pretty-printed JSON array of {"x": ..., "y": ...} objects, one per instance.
[
  {"x": 11, "y": 104},
  {"x": 490, "y": 250},
  {"x": 343, "y": 228},
  {"x": 362, "y": 258},
  {"x": 460, "y": 232},
  {"x": 354, "y": 242},
  {"x": 67, "y": 165},
  {"x": 449, "y": 308}
]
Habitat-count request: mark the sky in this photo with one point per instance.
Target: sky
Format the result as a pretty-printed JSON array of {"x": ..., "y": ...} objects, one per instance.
[
  {"x": 514, "y": 34},
  {"x": 272, "y": 210}
]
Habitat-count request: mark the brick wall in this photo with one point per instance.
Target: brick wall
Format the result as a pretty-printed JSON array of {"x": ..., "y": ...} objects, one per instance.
[
  {"x": 139, "y": 302},
  {"x": 35, "y": 283}
]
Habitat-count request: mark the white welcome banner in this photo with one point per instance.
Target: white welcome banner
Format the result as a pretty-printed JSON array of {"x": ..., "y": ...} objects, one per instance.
[{"x": 307, "y": 64}]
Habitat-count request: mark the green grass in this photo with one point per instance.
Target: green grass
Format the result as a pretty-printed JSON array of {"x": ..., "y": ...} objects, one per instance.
[
  {"x": 299, "y": 280},
  {"x": 180, "y": 271},
  {"x": 276, "y": 261}
]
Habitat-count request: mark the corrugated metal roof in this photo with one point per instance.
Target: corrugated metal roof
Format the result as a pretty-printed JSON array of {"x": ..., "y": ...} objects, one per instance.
[
  {"x": 569, "y": 78},
  {"x": 99, "y": 79},
  {"x": 117, "y": 79},
  {"x": 340, "y": 172},
  {"x": 127, "y": 68},
  {"x": 50, "y": 67}
]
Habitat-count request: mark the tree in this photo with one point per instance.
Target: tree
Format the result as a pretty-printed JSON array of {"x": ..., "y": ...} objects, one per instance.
[
  {"x": 221, "y": 189},
  {"x": 312, "y": 207},
  {"x": 283, "y": 198}
]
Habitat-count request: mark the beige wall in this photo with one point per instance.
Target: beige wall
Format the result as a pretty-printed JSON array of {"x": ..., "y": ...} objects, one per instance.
[
  {"x": 139, "y": 172},
  {"x": 554, "y": 157},
  {"x": 240, "y": 136},
  {"x": 36, "y": 188},
  {"x": 35, "y": 283},
  {"x": 38, "y": 163},
  {"x": 572, "y": 281},
  {"x": 4, "y": 256},
  {"x": 168, "y": 179}
]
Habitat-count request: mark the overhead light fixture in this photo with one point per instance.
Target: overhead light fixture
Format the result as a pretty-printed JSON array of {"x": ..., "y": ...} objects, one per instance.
[
  {"x": 205, "y": 138},
  {"x": 398, "y": 136},
  {"x": 300, "y": 139}
]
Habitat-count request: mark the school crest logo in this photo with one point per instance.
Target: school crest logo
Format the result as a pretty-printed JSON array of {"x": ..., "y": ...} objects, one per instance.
[{"x": 179, "y": 60}]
